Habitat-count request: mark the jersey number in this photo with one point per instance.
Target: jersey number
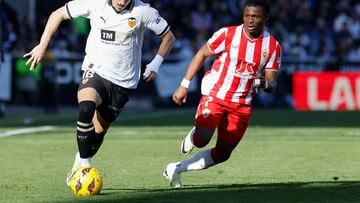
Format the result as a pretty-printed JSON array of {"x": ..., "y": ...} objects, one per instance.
[{"x": 87, "y": 74}]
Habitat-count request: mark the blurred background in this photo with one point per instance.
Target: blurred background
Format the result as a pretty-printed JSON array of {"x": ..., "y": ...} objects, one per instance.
[{"x": 320, "y": 44}]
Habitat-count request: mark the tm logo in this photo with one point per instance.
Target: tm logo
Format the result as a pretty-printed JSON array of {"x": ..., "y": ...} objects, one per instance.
[{"x": 108, "y": 35}]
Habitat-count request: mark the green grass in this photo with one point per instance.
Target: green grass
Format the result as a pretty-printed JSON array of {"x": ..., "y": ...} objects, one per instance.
[
  {"x": 273, "y": 163},
  {"x": 185, "y": 117}
]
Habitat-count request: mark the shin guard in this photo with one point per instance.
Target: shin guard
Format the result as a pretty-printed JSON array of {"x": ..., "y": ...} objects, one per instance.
[{"x": 85, "y": 128}]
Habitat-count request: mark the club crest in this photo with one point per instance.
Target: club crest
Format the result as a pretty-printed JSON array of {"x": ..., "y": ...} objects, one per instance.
[
  {"x": 265, "y": 53},
  {"x": 132, "y": 22},
  {"x": 206, "y": 112}
]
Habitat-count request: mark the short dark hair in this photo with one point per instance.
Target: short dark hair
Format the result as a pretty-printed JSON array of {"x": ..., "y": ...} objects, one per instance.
[{"x": 263, "y": 3}]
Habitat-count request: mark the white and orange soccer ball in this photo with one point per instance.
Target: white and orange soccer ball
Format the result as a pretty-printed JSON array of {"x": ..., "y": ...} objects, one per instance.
[{"x": 86, "y": 181}]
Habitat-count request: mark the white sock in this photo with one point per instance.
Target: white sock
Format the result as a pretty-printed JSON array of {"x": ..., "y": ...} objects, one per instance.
[
  {"x": 190, "y": 135},
  {"x": 85, "y": 162},
  {"x": 199, "y": 161},
  {"x": 189, "y": 142}
]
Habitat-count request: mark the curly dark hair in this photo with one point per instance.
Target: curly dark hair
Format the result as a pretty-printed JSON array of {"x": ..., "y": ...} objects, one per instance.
[{"x": 263, "y": 3}]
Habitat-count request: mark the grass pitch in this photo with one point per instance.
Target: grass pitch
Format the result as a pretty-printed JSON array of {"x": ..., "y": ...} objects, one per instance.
[{"x": 285, "y": 156}]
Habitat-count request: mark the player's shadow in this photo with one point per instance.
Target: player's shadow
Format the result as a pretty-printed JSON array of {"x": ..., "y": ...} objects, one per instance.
[{"x": 307, "y": 192}]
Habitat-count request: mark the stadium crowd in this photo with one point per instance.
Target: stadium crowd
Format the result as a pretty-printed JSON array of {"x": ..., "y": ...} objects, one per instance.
[{"x": 308, "y": 30}]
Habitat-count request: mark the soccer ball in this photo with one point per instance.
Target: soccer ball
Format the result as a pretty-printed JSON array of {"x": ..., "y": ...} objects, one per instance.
[{"x": 86, "y": 181}]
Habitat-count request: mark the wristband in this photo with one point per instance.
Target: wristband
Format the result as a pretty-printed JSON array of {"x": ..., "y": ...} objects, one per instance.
[
  {"x": 157, "y": 61},
  {"x": 185, "y": 83},
  {"x": 257, "y": 82},
  {"x": 153, "y": 65}
]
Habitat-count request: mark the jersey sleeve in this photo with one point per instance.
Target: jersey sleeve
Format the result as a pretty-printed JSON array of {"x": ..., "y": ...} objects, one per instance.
[
  {"x": 275, "y": 59},
  {"x": 216, "y": 43},
  {"x": 78, "y": 8},
  {"x": 155, "y": 22}
]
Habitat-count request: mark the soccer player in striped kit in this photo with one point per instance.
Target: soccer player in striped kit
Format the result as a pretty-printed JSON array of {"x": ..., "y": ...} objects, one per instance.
[
  {"x": 112, "y": 64},
  {"x": 243, "y": 53}
]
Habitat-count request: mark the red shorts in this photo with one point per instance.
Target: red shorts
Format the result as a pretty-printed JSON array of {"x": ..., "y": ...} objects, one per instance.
[{"x": 230, "y": 118}]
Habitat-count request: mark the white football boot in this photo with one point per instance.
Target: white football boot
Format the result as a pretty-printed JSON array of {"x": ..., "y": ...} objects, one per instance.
[
  {"x": 75, "y": 167},
  {"x": 173, "y": 176},
  {"x": 187, "y": 143}
]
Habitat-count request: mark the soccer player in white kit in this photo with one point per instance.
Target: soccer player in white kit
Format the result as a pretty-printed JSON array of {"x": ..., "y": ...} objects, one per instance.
[{"x": 112, "y": 64}]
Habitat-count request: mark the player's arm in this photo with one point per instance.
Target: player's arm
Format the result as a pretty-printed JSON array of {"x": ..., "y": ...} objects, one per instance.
[
  {"x": 270, "y": 81},
  {"x": 267, "y": 82},
  {"x": 180, "y": 95},
  {"x": 37, "y": 53},
  {"x": 167, "y": 43}
]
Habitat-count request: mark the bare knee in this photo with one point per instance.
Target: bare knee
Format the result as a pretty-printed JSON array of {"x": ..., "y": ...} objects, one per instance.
[{"x": 202, "y": 136}]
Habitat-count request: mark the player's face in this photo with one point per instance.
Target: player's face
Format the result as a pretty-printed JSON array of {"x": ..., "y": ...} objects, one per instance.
[
  {"x": 120, "y": 5},
  {"x": 254, "y": 20}
]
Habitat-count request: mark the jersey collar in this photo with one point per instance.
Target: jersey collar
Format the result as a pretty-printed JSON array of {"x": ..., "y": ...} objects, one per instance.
[
  {"x": 129, "y": 7},
  {"x": 252, "y": 40}
]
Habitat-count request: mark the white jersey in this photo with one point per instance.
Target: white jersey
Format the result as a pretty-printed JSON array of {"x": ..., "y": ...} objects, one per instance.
[{"x": 113, "y": 48}]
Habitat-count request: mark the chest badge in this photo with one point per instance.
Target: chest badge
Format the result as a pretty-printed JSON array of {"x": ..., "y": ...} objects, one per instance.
[
  {"x": 132, "y": 22},
  {"x": 265, "y": 53}
]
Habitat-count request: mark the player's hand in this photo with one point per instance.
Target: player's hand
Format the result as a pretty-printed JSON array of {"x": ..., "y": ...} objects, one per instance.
[
  {"x": 152, "y": 68},
  {"x": 35, "y": 56},
  {"x": 180, "y": 95},
  {"x": 150, "y": 73}
]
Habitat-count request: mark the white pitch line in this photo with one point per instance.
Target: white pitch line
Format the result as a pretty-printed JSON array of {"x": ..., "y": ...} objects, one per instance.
[{"x": 26, "y": 131}]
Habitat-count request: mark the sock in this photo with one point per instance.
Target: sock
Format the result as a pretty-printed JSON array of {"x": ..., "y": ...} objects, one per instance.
[
  {"x": 85, "y": 162},
  {"x": 97, "y": 142},
  {"x": 199, "y": 161},
  {"x": 85, "y": 128}
]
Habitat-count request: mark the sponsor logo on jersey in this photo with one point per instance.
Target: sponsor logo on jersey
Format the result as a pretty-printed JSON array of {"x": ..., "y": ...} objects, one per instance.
[
  {"x": 157, "y": 21},
  {"x": 108, "y": 35},
  {"x": 245, "y": 68},
  {"x": 132, "y": 22},
  {"x": 103, "y": 19}
]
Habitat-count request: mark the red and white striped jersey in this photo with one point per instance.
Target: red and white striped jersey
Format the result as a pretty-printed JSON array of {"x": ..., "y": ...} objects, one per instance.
[{"x": 239, "y": 60}]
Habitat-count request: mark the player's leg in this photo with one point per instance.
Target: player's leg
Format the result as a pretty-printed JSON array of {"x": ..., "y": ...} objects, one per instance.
[
  {"x": 230, "y": 132},
  {"x": 107, "y": 112},
  {"x": 101, "y": 127},
  {"x": 200, "y": 135},
  {"x": 88, "y": 99},
  {"x": 197, "y": 137},
  {"x": 231, "y": 129},
  {"x": 207, "y": 119}
]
